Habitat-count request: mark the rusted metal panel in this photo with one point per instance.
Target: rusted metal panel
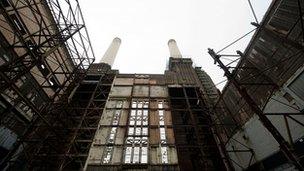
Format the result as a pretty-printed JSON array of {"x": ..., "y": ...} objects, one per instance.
[
  {"x": 141, "y": 91},
  {"x": 123, "y": 81},
  {"x": 154, "y": 118},
  {"x": 172, "y": 154},
  {"x": 119, "y": 91},
  {"x": 168, "y": 118},
  {"x": 154, "y": 136},
  {"x": 170, "y": 135},
  {"x": 153, "y": 155},
  {"x": 158, "y": 91},
  {"x": 153, "y": 104}
]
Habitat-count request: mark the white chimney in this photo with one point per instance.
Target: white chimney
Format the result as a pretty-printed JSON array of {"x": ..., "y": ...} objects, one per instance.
[
  {"x": 111, "y": 53},
  {"x": 174, "y": 51}
]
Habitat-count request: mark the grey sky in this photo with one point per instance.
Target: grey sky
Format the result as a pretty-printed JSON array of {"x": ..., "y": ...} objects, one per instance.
[{"x": 145, "y": 26}]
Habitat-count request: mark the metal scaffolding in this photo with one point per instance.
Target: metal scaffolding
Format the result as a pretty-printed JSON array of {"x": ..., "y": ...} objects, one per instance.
[
  {"x": 45, "y": 53},
  {"x": 274, "y": 54}
]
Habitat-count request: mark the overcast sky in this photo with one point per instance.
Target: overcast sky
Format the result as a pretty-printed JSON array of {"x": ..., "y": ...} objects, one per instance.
[{"x": 145, "y": 26}]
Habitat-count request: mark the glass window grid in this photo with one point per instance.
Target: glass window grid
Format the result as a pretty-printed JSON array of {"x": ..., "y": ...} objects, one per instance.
[
  {"x": 162, "y": 131},
  {"x": 136, "y": 150},
  {"x": 107, "y": 154}
]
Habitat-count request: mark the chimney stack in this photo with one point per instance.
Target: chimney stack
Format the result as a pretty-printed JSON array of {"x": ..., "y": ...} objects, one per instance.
[
  {"x": 111, "y": 53},
  {"x": 174, "y": 51}
]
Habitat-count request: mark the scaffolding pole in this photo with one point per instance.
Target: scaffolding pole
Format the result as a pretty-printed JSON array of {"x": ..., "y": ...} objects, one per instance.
[{"x": 284, "y": 145}]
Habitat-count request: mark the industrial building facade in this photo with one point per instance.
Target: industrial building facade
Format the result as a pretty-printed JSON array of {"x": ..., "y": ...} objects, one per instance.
[
  {"x": 61, "y": 111},
  {"x": 154, "y": 122}
]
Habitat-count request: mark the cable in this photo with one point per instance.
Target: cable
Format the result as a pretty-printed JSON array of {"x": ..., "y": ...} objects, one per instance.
[
  {"x": 236, "y": 41},
  {"x": 252, "y": 10}
]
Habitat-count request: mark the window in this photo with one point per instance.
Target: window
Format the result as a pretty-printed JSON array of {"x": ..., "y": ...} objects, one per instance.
[
  {"x": 134, "y": 104},
  {"x": 140, "y": 104},
  {"x": 53, "y": 82},
  {"x": 112, "y": 135},
  {"x": 162, "y": 132},
  {"x": 131, "y": 131},
  {"x": 160, "y": 104},
  {"x": 128, "y": 155},
  {"x": 136, "y": 155},
  {"x": 145, "y": 131},
  {"x": 43, "y": 69},
  {"x": 119, "y": 104},
  {"x": 138, "y": 131},
  {"x": 116, "y": 117},
  {"x": 18, "y": 24},
  {"x": 146, "y": 104},
  {"x": 161, "y": 118},
  {"x": 144, "y": 155},
  {"x": 107, "y": 155},
  {"x": 136, "y": 150},
  {"x": 164, "y": 154}
]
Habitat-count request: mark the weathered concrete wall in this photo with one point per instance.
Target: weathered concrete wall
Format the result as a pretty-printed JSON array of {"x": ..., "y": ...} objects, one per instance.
[
  {"x": 141, "y": 91},
  {"x": 137, "y": 96},
  {"x": 119, "y": 91},
  {"x": 158, "y": 91}
]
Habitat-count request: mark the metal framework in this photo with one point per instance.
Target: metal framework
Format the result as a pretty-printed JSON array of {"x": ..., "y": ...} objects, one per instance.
[
  {"x": 196, "y": 146},
  {"x": 45, "y": 53},
  {"x": 272, "y": 57}
]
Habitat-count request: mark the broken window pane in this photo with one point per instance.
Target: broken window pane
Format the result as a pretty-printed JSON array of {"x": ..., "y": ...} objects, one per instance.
[
  {"x": 137, "y": 140},
  {"x": 116, "y": 117},
  {"x": 134, "y": 104},
  {"x": 132, "y": 120},
  {"x": 138, "y": 121},
  {"x": 162, "y": 133},
  {"x": 139, "y": 113},
  {"x": 128, "y": 155},
  {"x": 136, "y": 155},
  {"x": 146, "y": 104},
  {"x": 130, "y": 140},
  {"x": 119, "y": 104},
  {"x": 144, "y": 155},
  {"x": 145, "y": 131},
  {"x": 112, "y": 135},
  {"x": 145, "y": 120},
  {"x": 160, "y": 104},
  {"x": 18, "y": 23},
  {"x": 164, "y": 154},
  {"x": 137, "y": 131},
  {"x": 140, "y": 104},
  {"x": 107, "y": 155},
  {"x": 145, "y": 112},
  {"x": 131, "y": 131},
  {"x": 144, "y": 140},
  {"x": 161, "y": 112}
]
